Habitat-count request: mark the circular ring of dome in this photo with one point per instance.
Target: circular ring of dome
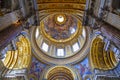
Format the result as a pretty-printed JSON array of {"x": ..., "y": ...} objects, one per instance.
[
  {"x": 60, "y": 34},
  {"x": 40, "y": 55},
  {"x": 61, "y": 51}
]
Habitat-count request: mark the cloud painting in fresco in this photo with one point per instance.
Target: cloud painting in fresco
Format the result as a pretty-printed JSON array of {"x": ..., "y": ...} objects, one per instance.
[{"x": 83, "y": 68}]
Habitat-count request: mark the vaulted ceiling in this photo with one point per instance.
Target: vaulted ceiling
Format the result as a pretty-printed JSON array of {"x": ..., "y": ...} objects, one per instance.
[
  {"x": 46, "y": 7},
  {"x": 56, "y": 35}
]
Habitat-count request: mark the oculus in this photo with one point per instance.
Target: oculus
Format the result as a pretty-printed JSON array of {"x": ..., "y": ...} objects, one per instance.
[{"x": 60, "y": 18}]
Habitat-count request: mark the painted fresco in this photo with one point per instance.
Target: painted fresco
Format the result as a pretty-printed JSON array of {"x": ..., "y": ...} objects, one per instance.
[
  {"x": 36, "y": 69},
  {"x": 60, "y": 31},
  {"x": 83, "y": 68}
]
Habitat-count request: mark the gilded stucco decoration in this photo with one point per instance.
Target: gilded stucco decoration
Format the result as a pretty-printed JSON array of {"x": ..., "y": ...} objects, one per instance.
[
  {"x": 60, "y": 72},
  {"x": 60, "y": 34},
  {"x": 101, "y": 59},
  {"x": 20, "y": 58}
]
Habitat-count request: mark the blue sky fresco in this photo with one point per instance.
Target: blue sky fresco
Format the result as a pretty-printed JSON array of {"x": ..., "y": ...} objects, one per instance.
[
  {"x": 36, "y": 68},
  {"x": 83, "y": 68}
]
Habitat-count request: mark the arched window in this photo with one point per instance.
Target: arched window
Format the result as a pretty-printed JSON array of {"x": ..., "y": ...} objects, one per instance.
[
  {"x": 60, "y": 52},
  {"x": 45, "y": 47},
  {"x": 75, "y": 47}
]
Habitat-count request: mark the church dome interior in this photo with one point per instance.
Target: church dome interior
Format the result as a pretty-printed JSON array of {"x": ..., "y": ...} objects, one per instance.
[{"x": 59, "y": 39}]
